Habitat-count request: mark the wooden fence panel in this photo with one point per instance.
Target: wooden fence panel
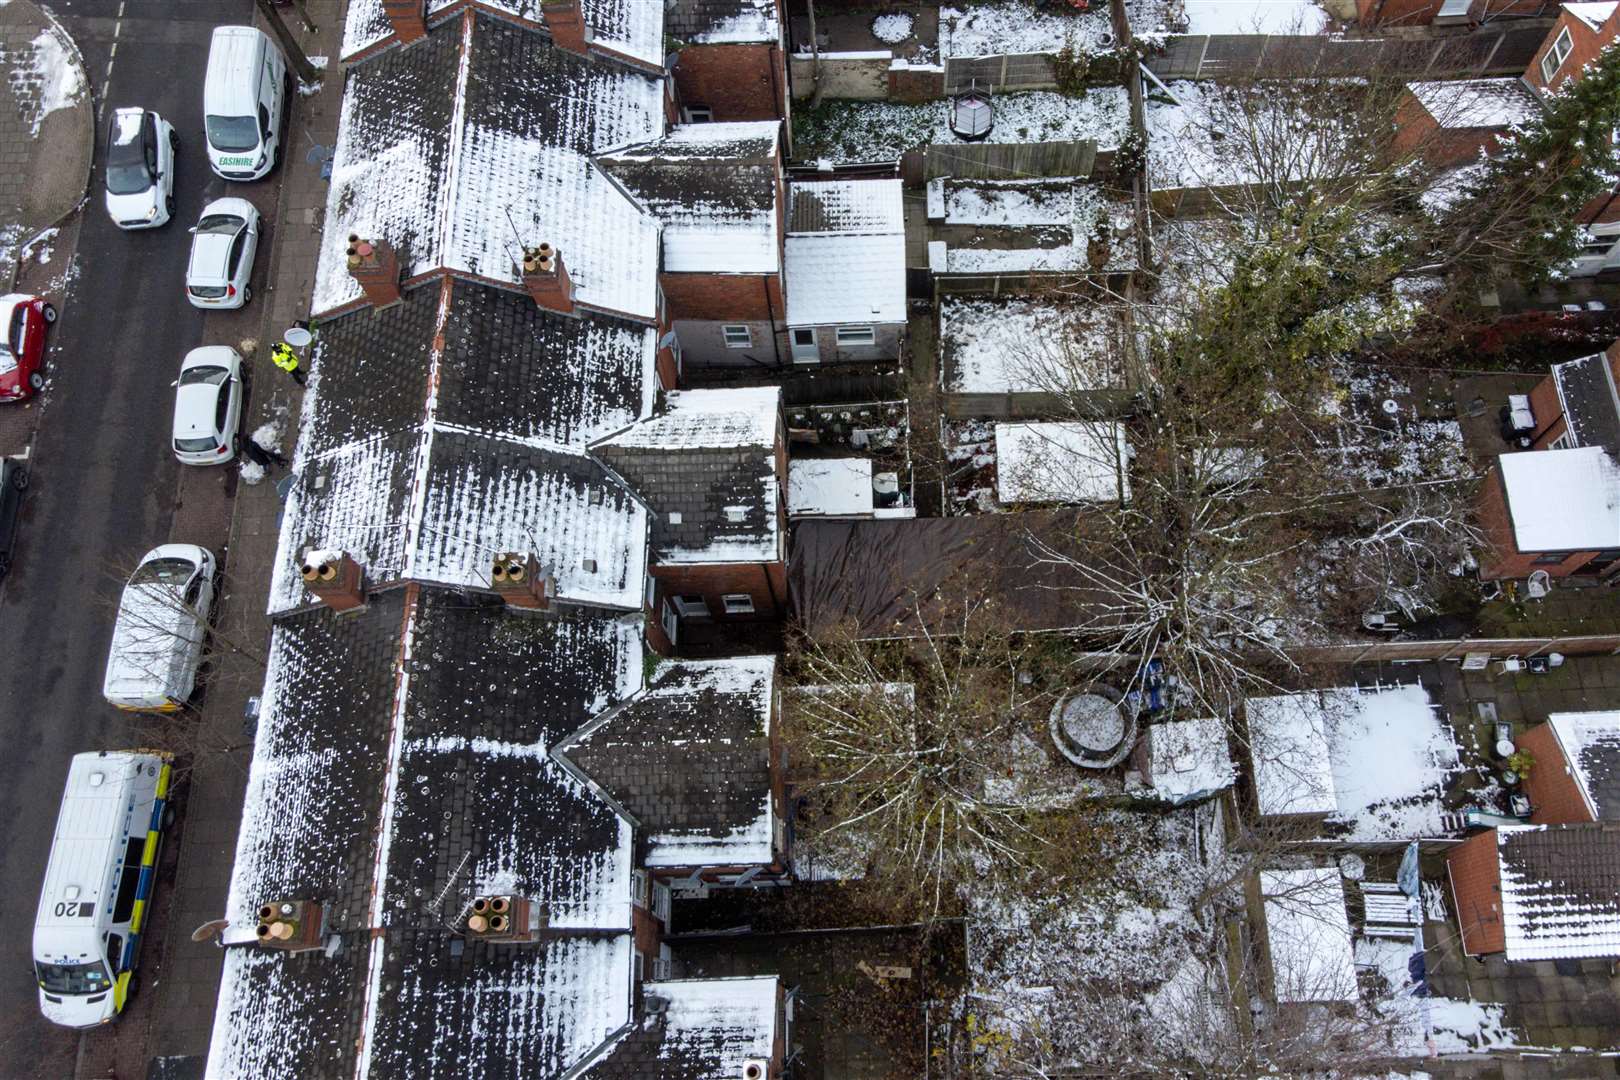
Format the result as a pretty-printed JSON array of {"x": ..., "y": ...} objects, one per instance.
[{"x": 998, "y": 161}]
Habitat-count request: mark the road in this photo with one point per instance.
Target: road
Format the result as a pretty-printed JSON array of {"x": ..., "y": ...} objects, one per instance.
[{"x": 105, "y": 487}]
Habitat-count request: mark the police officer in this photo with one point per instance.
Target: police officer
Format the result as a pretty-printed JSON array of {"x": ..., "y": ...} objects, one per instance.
[{"x": 287, "y": 360}]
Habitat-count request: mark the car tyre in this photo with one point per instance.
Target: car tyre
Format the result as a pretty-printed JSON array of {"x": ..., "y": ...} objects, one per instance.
[
  {"x": 48, "y": 312},
  {"x": 36, "y": 381},
  {"x": 168, "y": 204},
  {"x": 174, "y": 141},
  {"x": 168, "y": 817},
  {"x": 5, "y": 565},
  {"x": 247, "y": 295},
  {"x": 19, "y": 479}
]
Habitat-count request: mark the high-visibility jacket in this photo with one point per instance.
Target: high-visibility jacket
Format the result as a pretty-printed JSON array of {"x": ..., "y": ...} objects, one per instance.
[{"x": 284, "y": 358}]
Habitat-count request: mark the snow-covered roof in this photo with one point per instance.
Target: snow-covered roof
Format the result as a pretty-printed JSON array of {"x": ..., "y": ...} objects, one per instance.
[
  {"x": 1289, "y": 17},
  {"x": 624, "y": 28},
  {"x": 1477, "y": 103},
  {"x": 707, "y": 466},
  {"x": 1189, "y": 757},
  {"x": 1026, "y": 346},
  {"x": 1589, "y": 401},
  {"x": 829, "y": 487},
  {"x": 1376, "y": 758},
  {"x": 723, "y": 22},
  {"x": 1563, "y": 500},
  {"x": 1062, "y": 462},
  {"x": 714, "y": 187},
  {"x": 846, "y": 253},
  {"x": 1308, "y": 930},
  {"x": 453, "y": 426},
  {"x": 1594, "y": 13},
  {"x": 372, "y": 725},
  {"x": 689, "y": 760},
  {"x": 1560, "y": 890},
  {"x": 466, "y": 146},
  {"x": 696, "y": 1029},
  {"x": 1591, "y": 745}
]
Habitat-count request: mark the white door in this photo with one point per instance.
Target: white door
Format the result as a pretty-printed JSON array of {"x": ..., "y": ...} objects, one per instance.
[
  {"x": 672, "y": 624},
  {"x": 805, "y": 350}
]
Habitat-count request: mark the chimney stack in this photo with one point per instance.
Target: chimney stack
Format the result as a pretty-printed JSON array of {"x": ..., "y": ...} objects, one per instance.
[
  {"x": 375, "y": 266},
  {"x": 500, "y": 918},
  {"x": 293, "y": 925},
  {"x": 566, "y": 21},
  {"x": 522, "y": 582},
  {"x": 547, "y": 280},
  {"x": 405, "y": 19},
  {"x": 335, "y": 579}
]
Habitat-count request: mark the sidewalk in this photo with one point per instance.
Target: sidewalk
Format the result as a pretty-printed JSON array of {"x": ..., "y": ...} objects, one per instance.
[
  {"x": 184, "y": 1013},
  {"x": 47, "y": 126}
]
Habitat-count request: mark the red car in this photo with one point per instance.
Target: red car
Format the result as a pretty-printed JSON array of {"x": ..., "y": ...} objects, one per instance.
[{"x": 22, "y": 349}]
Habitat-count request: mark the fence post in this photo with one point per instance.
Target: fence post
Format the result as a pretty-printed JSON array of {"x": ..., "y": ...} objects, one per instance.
[{"x": 1002, "y": 84}]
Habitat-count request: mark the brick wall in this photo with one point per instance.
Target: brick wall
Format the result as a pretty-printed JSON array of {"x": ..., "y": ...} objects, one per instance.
[
  {"x": 765, "y": 583},
  {"x": 737, "y": 82},
  {"x": 1549, "y": 413},
  {"x": 1554, "y": 794},
  {"x": 1504, "y": 559},
  {"x": 1476, "y": 886},
  {"x": 703, "y": 345},
  {"x": 644, "y": 926},
  {"x": 916, "y": 84},
  {"x": 1585, "y": 44},
  {"x": 1416, "y": 130},
  {"x": 724, "y": 297}
]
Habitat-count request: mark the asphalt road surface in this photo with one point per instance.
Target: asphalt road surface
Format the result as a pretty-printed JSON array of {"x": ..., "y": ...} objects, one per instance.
[{"x": 105, "y": 486}]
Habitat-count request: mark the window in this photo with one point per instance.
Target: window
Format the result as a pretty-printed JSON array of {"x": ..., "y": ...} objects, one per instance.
[
  {"x": 1566, "y": 441},
  {"x": 1549, "y": 560},
  {"x": 673, "y": 517},
  {"x": 738, "y": 604},
  {"x": 639, "y": 888},
  {"x": 856, "y": 335},
  {"x": 1555, "y": 55},
  {"x": 738, "y": 337},
  {"x": 129, "y": 879},
  {"x": 697, "y": 114},
  {"x": 690, "y": 606},
  {"x": 115, "y": 952}
]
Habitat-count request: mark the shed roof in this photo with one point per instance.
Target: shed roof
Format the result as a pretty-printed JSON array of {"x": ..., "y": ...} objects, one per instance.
[
  {"x": 696, "y": 1029},
  {"x": 1308, "y": 931},
  {"x": 1560, "y": 890},
  {"x": 1594, "y": 13},
  {"x": 1563, "y": 500},
  {"x": 463, "y": 147},
  {"x": 724, "y": 22},
  {"x": 715, "y": 188},
  {"x": 1062, "y": 462},
  {"x": 1477, "y": 103},
  {"x": 689, "y": 758},
  {"x": 1591, "y": 745},
  {"x": 1288, "y": 745}
]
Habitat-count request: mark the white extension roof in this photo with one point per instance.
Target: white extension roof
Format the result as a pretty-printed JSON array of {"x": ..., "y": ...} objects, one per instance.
[
  {"x": 829, "y": 487},
  {"x": 1309, "y": 933},
  {"x": 1067, "y": 462},
  {"x": 1563, "y": 500},
  {"x": 1591, "y": 745},
  {"x": 1476, "y": 103},
  {"x": 846, "y": 253}
]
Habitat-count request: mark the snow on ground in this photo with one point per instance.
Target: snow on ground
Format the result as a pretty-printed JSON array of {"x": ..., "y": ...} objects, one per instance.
[
  {"x": 1388, "y": 435},
  {"x": 1065, "y": 244},
  {"x": 1121, "y": 924},
  {"x": 40, "y": 248},
  {"x": 883, "y": 130},
  {"x": 1025, "y": 346},
  {"x": 48, "y": 80},
  {"x": 1254, "y": 17},
  {"x": 1009, "y": 202},
  {"x": 1429, "y": 1025},
  {"x": 892, "y": 28},
  {"x": 1018, "y": 26}
]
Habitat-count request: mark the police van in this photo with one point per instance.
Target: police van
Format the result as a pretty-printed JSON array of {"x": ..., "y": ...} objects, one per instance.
[
  {"x": 244, "y": 98},
  {"x": 98, "y": 885}
]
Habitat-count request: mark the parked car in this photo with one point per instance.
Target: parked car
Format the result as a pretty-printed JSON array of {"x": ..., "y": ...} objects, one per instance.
[
  {"x": 140, "y": 169},
  {"x": 157, "y": 642},
  {"x": 244, "y": 99},
  {"x": 223, "y": 243},
  {"x": 22, "y": 352},
  {"x": 208, "y": 405},
  {"x": 13, "y": 482}
]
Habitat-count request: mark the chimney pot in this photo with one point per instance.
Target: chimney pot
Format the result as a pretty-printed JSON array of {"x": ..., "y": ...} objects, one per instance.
[
  {"x": 335, "y": 579},
  {"x": 521, "y": 581},
  {"x": 374, "y": 265},
  {"x": 478, "y": 924},
  {"x": 545, "y": 276}
]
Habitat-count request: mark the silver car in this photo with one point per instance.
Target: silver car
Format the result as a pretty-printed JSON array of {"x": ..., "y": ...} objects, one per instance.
[
  {"x": 208, "y": 406},
  {"x": 223, "y": 243}
]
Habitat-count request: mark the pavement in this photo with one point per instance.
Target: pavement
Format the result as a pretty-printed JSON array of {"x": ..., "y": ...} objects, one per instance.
[{"x": 47, "y": 128}]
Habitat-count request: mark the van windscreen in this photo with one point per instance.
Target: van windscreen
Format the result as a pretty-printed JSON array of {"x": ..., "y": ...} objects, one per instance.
[
  {"x": 233, "y": 134},
  {"x": 88, "y": 978}
]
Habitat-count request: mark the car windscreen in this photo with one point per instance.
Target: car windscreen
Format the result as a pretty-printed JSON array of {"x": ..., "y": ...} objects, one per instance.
[
  {"x": 12, "y": 342},
  {"x": 166, "y": 571},
  {"x": 207, "y": 292},
  {"x": 73, "y": 978},
  {"x": 213, "y": 376},
  {"x": 219, "y": 224},
  {"x": 128, "y": 170},
  {"x": 233, "y": 133},
  {"x": 196, "y": 446}
]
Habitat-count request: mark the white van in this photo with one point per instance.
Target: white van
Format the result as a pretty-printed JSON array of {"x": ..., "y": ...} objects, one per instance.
[
  {"x": 244, "y": 96},
  {"x": 98, "y": 885},
  {"x": 157, "y": 643}
]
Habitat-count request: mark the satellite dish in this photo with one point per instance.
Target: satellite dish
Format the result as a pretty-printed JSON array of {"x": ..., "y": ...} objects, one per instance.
[{"x": 298, "y": 336}]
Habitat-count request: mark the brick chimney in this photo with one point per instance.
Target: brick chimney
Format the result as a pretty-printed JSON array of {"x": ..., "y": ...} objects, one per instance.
[
  {"x": 521, "y": 581},
  {"x": 374, "y": 265},
  {"x": 405, "y": 19},
  {"x": 547, "y": 280},
  {"x": 335, "y": 579},
  {"x": 292, "y": 925},
  {"x": 566, "y": 21}
]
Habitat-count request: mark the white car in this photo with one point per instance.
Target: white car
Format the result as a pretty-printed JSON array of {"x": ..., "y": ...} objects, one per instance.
[
  {"x": 223, "y": 243},
  {"x": 140, "y": 169},
  {"x": 208, "y": 405},
  {"x": 162, "y": 622}
]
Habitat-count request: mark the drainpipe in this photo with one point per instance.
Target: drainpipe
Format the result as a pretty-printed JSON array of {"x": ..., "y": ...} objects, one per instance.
[{"x": 770, "y": 310}]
